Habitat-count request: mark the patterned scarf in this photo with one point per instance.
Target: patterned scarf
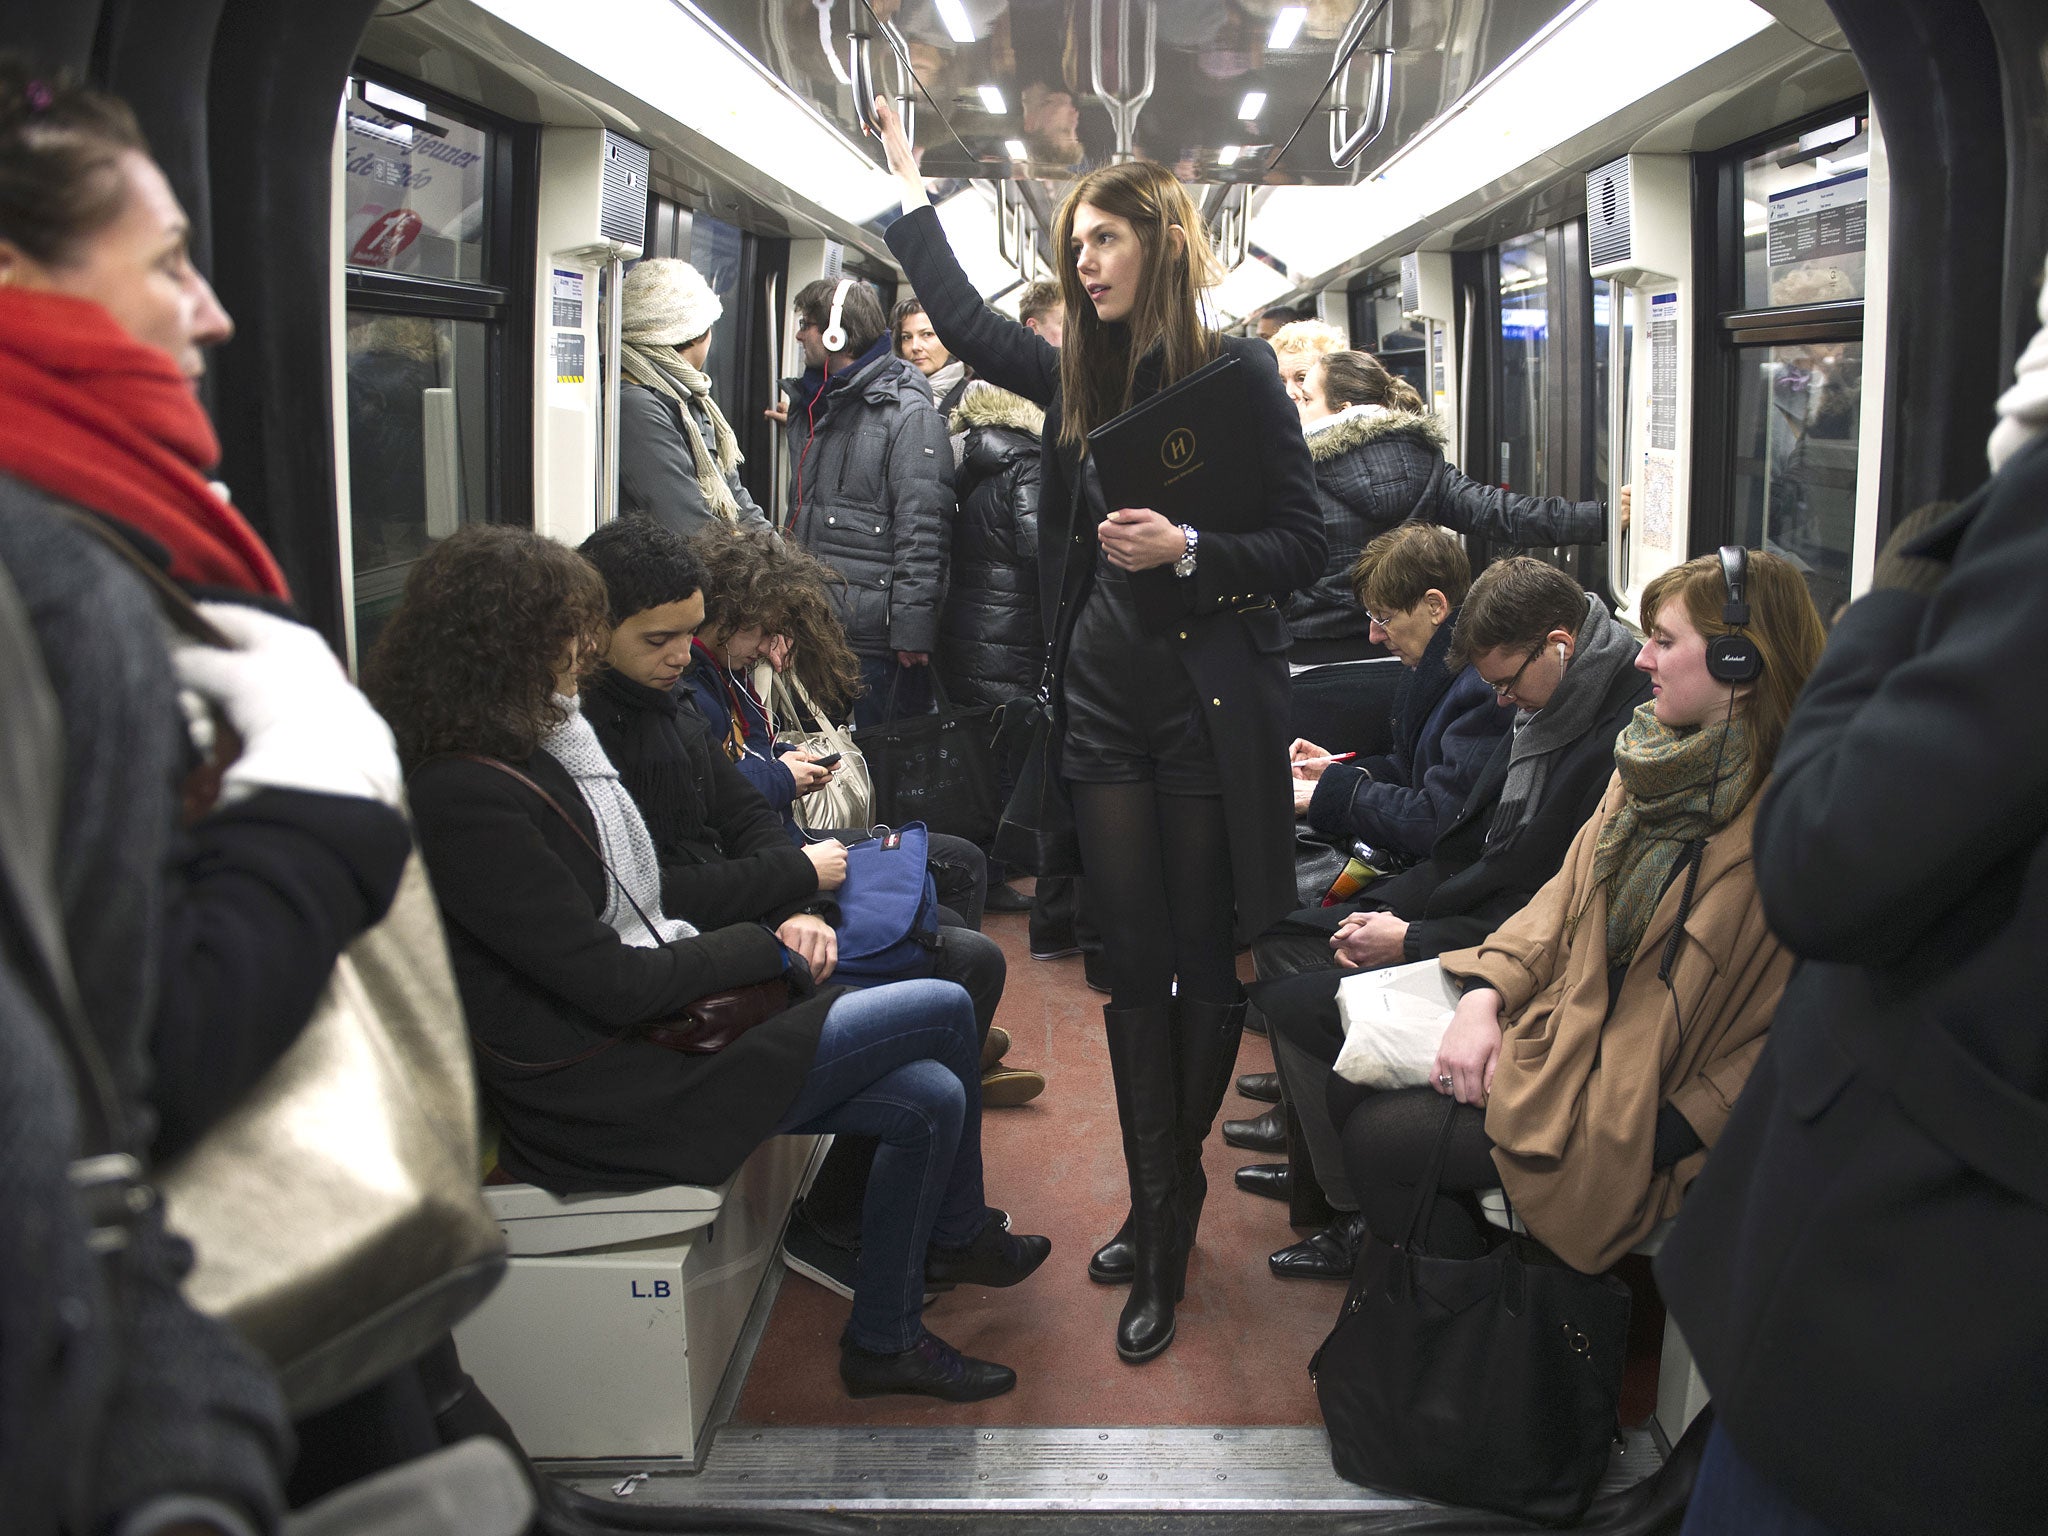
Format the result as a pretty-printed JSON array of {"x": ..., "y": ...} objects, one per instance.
[
  {"x": 1668, "y": 775},
  {"x": 665, "y": 371},
  {"x": 621, "y": 834}
]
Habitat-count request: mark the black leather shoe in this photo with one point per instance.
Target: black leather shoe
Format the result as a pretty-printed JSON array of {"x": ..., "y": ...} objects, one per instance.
[
  {"x": 1263, "y": 1086},
  {"x": 1005, "y": 898},
  {"x": 1269, "y": 1179},
  {"x": 929, "y": 1368},
  {"x": 1254, "y": 1022},
  {"x": 1330, "y": 1254},
  {"x": 996, "y": 1257},
  {"x": 1095, "y": 971},
  {"x": 1268, "y": 1133}
]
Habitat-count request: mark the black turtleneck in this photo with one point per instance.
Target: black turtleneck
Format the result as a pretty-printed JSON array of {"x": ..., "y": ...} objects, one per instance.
[{"x": 724, "y": 855}]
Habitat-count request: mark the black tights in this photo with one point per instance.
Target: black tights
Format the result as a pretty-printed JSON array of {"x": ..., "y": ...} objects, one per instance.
[
  {"x": 1388, "y": 1137},
  {"x": 1159, "y": 888}
]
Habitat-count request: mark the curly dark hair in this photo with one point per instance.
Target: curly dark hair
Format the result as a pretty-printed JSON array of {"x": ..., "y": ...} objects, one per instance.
[
  {"x": 753, "y": 577},
  {"x": 468, "y": 662},
  {"x": 644, "y": 565}
]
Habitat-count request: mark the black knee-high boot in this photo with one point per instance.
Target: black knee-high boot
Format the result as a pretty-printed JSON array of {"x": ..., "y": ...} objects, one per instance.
[
  {"x": 1208, "y": 1039},
  {"x": 1141, "y": 1056}
]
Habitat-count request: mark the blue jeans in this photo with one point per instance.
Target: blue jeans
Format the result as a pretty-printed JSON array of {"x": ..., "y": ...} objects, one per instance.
[
  {"x": 901, "y": 1063},
  {"x": 1731, "y": 1499}
]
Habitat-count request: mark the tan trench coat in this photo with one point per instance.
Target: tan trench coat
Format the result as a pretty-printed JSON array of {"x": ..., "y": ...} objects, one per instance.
[{"x": 1573, "y": 1112}]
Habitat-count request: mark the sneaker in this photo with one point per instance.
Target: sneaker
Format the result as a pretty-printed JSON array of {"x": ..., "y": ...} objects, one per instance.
[
  {"x": 995, "y": 1047},
  {"x": 1005, "y": 898},
  {"x": 1007, "y": 1087},
  {"x": 929, "y": 1368},
  {"x": 817, "y": 1257}
]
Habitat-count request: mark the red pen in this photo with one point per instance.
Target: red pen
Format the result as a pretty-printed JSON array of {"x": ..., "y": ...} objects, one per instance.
[{"x": 1322, "y": 762}]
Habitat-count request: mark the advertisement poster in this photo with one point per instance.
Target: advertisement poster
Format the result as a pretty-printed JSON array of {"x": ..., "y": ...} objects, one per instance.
[
  {"x": 1817, "y": 237},
  {"x": 413, "y": 198}
]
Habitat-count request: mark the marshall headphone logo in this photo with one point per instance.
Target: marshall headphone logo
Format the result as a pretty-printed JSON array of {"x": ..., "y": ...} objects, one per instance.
[{"x": 1178, "y": 449}]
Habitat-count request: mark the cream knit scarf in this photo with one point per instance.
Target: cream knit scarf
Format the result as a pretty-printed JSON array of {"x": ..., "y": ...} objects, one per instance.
[
  {"x": 664, "y": 370},
  {"x": 2023, "y": 409}
]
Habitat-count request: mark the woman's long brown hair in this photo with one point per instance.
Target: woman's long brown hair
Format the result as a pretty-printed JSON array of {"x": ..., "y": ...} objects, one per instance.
[{"x": 1099, "y": 360}]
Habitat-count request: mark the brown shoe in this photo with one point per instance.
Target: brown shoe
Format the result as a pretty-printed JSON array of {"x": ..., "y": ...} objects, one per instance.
[
  {"x": 995, "y": 1047},
  {"x": 1007, "y": 1087}
]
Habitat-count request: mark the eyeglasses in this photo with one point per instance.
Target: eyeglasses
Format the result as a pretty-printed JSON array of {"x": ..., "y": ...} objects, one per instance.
[
  {"x": 1373, "y": 618},
  {"x": 803, "y": 323},
  {"x": 1502, "y": 690}
]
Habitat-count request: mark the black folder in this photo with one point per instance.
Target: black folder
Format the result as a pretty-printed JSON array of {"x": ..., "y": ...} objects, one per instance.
[{"x": 1190, "y": 454}]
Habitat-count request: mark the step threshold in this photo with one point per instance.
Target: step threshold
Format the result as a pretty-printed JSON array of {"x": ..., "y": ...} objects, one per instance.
[{"x": 1082, "y": 1470}]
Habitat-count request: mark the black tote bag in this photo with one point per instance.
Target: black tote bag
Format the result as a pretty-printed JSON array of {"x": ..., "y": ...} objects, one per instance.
[
  {"x": 939, "y": 769},
  {"x": 1492, "y": 1382}
]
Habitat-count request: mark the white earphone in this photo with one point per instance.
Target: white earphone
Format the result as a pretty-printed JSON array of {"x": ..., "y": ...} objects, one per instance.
[{"x": 834, "y": 334}]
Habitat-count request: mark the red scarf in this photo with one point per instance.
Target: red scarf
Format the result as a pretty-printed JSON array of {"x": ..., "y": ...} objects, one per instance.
[{"x": 93, "y": 416}]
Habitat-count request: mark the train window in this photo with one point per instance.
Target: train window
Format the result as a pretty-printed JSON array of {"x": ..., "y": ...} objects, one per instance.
[
  {"x": 1803, "y": 203},
  {"x": 431, "y": 329},
  {"x": 1796, "y": 418},
  {"x": 1524, "y": 346}
]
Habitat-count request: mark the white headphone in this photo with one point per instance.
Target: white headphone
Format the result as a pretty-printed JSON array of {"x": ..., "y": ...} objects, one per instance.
[{"x": 834, "y": 334}]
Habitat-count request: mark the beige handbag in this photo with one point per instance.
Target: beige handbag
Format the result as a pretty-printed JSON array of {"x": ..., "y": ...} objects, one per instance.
[
  {"x": 337, "y": 1214},
  {"x": 848, "y": 801}
]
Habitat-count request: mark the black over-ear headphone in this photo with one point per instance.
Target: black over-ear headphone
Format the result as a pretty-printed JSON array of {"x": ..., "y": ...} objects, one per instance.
[
  {"x": 834, "y": 334},
  {"x": 1734, "y": 658}
]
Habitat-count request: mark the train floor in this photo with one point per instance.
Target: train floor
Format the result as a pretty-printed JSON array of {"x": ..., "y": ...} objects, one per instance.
[{"x": 1225, "y": 1422}]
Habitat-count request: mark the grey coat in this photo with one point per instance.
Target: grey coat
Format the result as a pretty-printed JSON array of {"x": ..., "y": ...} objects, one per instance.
[
  {"x": 872, "y": 482},
  {"x": 658, "y": 473},
  {"x": 1374, "y": 472}
]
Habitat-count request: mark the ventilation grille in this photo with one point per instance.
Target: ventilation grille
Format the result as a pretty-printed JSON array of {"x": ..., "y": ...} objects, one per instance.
[
  {"x": 1607, "y": 210},
  {"x": 1411, "y": 284},
  {"x": 622, "y": 218}
]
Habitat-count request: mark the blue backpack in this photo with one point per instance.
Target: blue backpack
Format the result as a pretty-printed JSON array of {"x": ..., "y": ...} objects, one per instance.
[{"x": 888, "y": 908}]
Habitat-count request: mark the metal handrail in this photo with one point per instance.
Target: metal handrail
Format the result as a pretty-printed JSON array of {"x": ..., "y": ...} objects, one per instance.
[
  {"x": 1123, "y": 110},
  {"x": 1345, "y": 147}
]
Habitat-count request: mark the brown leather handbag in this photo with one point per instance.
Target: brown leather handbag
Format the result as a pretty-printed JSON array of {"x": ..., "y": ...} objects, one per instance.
[{"x": 707, "y": 1025}]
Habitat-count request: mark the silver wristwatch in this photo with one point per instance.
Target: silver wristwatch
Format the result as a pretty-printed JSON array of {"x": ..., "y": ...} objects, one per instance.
[{"x": 1185, "y": 566}]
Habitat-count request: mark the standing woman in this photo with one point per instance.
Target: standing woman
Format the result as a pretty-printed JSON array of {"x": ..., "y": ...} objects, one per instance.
[{"x": 1171, "y": 747}]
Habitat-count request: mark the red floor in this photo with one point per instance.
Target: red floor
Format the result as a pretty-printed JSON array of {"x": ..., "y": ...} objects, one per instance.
[{"x": 1241, "y": 1353}]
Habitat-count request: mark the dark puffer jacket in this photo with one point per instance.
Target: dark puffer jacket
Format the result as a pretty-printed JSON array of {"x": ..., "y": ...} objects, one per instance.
[
  {"x": 872, "y": 472},
  {"x": 991, "y": 640},
  {"x": 1377, "y": 470}
]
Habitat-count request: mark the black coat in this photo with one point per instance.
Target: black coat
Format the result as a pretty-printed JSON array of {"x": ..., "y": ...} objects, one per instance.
[
  {"x": 872, "y": 482},
  {"x": 1859, "y": 1269},
  {"x": 724, "y": 855},
  {"x": 1375, "y": 472},
  {"x": 542, "y": 979},
  {"x": 991, "y": 641},
  {"x": 1234, "y": 637},
  {"x": 1461, "y": 893}
]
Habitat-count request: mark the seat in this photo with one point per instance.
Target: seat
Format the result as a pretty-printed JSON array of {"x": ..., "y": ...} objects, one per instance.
[
  {"x": 1681, "y": 1391},
  {"x": 620, "y": 1314}
]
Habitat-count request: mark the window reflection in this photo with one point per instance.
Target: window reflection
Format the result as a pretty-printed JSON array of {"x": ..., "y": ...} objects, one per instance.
[
  {"x": 413, "y": 189},
  {"x": 1524, "y": 340},
  {"x": 1797, "y": 414}
]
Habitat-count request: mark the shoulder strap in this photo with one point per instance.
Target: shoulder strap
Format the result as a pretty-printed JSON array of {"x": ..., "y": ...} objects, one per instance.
[{"x": 172, "y": 600}]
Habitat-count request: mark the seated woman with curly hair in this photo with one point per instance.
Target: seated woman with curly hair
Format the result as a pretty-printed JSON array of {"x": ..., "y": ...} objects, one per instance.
[{"x": 564, "y": 956}]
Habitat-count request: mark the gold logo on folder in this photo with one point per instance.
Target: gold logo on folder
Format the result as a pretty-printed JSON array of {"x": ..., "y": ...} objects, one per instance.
[{"x": 1178, "y": 449}]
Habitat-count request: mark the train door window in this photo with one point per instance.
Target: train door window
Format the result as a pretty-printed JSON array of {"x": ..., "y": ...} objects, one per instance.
[
  {"x": 1792, "y": 255},
  {"x": 431, "y": 322},
  {"x": 1520, "y": 416}
]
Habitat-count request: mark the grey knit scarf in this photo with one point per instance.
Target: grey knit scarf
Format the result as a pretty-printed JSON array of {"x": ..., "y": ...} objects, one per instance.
[
  {"x": 621, "y": 834},
  {"x": 665, "y": 371},
  {"x": 1604, "y": 650}
]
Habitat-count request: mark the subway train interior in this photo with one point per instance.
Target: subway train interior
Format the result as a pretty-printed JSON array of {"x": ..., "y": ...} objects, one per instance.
[{"x": 1765, "y": 263}]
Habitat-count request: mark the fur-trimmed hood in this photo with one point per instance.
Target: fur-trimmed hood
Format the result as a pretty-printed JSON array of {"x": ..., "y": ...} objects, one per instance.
[
  {"x": 1352, "y": 431},
  {"x": 984, "y": 405}
]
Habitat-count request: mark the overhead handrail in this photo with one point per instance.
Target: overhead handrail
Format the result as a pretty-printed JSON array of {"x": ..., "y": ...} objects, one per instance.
[
  {"x": 1234, "y": 227},
  {"x": 1346, "y": 145},
  {"x": 1123, "y": 110}
]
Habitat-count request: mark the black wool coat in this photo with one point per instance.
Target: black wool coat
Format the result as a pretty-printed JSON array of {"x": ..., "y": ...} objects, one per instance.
[
  {"x": 1858, "y": 1270},
  {"x": 991, "y": 643},
  {"x": 543, "y": 979},
  {"x": 724, "y": 855},
  {"x": 1235, "y": 639},
  {"x": 1461, "y": 892}
]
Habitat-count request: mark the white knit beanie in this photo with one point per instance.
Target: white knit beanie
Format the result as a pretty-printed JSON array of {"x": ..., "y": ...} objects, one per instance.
[{"x": 666, "y": 303}]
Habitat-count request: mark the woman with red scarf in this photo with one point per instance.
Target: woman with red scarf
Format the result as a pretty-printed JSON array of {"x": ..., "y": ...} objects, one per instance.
[{"x": 204, "y": 893}]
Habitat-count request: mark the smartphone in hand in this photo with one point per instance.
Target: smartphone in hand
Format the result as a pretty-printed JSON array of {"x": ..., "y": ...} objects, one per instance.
[{"x": 828, "y": 762}]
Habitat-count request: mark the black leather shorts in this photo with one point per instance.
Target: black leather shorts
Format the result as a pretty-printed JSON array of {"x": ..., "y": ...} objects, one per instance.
[{"x": 1132, "y": 713}]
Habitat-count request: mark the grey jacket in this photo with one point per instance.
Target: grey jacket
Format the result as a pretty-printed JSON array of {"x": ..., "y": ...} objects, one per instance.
[
  {"x": 871, "y": 474},
  {"x": 1373, "y": 472},
  {"x": 658, "y": 474}
]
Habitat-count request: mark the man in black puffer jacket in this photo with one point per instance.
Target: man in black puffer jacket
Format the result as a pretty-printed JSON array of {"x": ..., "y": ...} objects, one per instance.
[
  {"x": 991, "y": 639},
  {"x": 872, "y": 478}
]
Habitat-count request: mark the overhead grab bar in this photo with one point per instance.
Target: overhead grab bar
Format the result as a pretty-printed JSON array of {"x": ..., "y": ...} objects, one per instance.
[
  {"x": 1345, "y": 146},
  {"x": 1123, "y": 110}
]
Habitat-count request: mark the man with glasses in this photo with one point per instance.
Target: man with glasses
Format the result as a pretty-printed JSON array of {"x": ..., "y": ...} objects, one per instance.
[{"x": 1556, "y": 658}]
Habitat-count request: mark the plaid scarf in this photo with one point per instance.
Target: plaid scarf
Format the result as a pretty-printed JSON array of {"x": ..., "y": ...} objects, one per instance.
[{"x": 1668, "y": 775}]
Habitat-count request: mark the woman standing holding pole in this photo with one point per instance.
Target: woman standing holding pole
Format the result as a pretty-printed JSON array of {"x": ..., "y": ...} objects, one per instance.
[{"x": 1170, "y": 746}]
